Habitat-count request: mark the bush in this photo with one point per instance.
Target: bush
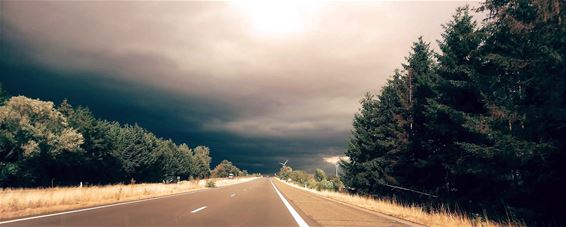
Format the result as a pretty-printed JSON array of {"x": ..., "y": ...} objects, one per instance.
[
  {"x": 324, "y": 185},
  {"x": 319, "y": 175},
  {"x": 312, "y": 184},
  {"x": 300, "y": 177},
  {"x": 337, "y": 184},
  {"x": 211, "y": 184}
]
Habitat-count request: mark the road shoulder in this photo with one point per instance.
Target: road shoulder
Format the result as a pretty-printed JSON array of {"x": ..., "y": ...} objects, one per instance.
[{"x": 329, "y": 212}]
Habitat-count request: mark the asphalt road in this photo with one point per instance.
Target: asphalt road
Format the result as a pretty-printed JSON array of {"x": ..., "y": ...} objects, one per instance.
[{"x": 254, "y": 203}]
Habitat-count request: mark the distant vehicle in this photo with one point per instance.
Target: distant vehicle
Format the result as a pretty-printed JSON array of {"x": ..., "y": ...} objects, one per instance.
[
  {"x": 171, "y": 180},
  {"x": 231, "y": 175}
]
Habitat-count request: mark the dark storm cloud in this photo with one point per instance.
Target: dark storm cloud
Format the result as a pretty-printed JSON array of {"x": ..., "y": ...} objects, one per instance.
[{"x": 198, "y": 72}]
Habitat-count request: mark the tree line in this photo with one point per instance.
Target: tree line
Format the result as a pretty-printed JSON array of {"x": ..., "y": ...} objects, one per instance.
[
  {"x": 481, "y": 124},
  {"x": 318, "y": 181},
  {"x": 44, "y": 145}
]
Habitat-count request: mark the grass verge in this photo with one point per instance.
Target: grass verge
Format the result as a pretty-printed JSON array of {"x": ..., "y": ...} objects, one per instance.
[
  {"x": 412, "y": 213},
  {"x": 25, "y": 202}
]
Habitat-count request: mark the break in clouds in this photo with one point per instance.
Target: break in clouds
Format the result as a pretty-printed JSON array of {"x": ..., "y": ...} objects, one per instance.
[{"x": 217, "y": 73}]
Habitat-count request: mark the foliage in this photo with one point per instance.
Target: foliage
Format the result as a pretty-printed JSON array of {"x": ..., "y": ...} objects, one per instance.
[
  {"x": 324, "y": 185},
  {"x": 211, "y": 184},
  {"x": 300, "y": 177},
  {"x": 311, "y": 183},
  {"x": 319, "y": 175},
  {"x": 337, "y": 184},
  {"x": 41, "y": 145},
  {"x": 35, "y": 141},
  {"x": 225, "y": 168},
  {"x": 284, "y": 172},
  {"x": 480, "y": 124},
  {"x": 318, "y": 180},
  {"x": 202, "y": 162}
]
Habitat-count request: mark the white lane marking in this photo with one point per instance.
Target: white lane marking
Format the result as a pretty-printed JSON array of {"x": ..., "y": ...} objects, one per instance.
[
  {"x": 199, "y": 209},
  {"x": 293, "y": 212},
  {"x": 94, "y": 208},
  {"x": 233, "y": 194}
]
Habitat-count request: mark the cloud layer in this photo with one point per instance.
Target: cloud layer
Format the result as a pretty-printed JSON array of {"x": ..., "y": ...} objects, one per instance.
[{"x": 201, "y": 72}]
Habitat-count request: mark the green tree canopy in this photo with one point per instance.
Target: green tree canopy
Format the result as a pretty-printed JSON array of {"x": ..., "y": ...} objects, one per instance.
[
  {"x": 202, "y": 162},
  {"x": 319, "y": 175},
  {"x": 33, "y": 135},
  {"x": 224, "y": 169}
]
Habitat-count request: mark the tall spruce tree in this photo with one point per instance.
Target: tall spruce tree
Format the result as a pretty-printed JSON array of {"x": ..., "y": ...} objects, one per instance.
[
  {"x": 361, "y": 145},
  {"x": 377, "y": 148},
  {"x": 456, "y": 96},
  {"x": 421, "y": 79},
  {"x": 392, "y": 134},
  {"x": 523, "y": 81}
]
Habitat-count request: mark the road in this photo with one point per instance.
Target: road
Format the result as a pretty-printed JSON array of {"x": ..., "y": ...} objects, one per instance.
[{"x": 256, "y": 203}]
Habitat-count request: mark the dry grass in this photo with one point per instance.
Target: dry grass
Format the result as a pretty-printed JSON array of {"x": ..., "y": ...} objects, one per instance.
[
  {"x": 412, "y": 213},
  {"x": 25, "y": 202}
]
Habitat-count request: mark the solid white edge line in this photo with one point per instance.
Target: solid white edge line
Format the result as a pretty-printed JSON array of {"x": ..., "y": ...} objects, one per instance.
[
  {"x": 116, "y": 204},
  {"x": 199, "y": 209},
  {"x": 293, "y": 212}
]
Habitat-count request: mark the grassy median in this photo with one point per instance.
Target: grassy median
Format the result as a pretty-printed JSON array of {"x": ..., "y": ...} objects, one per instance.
[
  {"x": 412, "y": 213},
  {"x": 24, "y": 202}
]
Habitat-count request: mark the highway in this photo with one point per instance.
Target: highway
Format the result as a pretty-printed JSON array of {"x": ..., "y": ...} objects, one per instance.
[{"x": 261, "y": 202}]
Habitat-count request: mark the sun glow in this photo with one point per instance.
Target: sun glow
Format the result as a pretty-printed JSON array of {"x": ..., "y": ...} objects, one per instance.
[{"x": 277, "y": 17}]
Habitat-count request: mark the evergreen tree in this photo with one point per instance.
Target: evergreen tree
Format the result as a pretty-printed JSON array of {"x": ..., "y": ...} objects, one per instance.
[
  {"x": 421, "y": 79},
  {"x": 393, "y": 133},
  {"x": 456, "y": 96},
  {"x": 362, "y": 143},
  {"x": 485, "y": 124},
  {"x": 377, "y": 148},
  {"x": 522, "y": 78},
  {"x": 97, "y": 165},
  {"x": 134, "y": 148}
]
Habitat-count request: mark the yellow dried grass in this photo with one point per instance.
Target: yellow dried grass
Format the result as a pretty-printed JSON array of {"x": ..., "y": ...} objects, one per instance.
[
  {"x": 25, "y": 202},
  {"x": 411, "y": 213}
]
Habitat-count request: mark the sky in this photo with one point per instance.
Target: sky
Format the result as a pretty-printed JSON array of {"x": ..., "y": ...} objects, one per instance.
[{"x": 258, "y": 82}]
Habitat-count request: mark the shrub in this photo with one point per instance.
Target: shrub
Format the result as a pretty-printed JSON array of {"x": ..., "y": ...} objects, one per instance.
[
  {"x": 312, "y": 184},
  {"x": 337, "y": 184},
  {"x": 211, "y": 184},
  {"x": 319, "y": 175},
  {"x": 324, "y": 185}
]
